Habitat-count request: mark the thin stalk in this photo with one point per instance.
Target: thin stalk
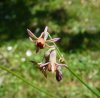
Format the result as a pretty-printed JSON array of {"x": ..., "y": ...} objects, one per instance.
[
  {"x": 89, "y": 88},
  {"x": 93, "y": 91},
  {"x": 27, "y": 82}
]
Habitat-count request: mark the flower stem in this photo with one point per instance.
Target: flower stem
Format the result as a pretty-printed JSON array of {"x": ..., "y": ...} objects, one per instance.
[
  {"x": 60, "y": 55},
  {"x": 27, "y": 82},
  {"x": 93, "y": 91}
]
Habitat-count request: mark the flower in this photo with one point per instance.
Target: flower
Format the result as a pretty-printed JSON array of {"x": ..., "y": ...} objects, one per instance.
[
  {"x": 28, "y": 53},
  {"x": 23, "y": 59},
  {"x": 49, "y": 63},
  {"x": 41, "y": 41},
  {"x": 9, "y": 48}
]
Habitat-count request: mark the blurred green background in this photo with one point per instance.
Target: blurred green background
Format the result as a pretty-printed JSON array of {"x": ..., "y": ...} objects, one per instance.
[{"x": 76, "y": 22}]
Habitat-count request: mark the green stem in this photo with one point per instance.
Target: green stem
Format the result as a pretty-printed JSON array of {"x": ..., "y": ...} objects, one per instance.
[
  {"x": 29, "y": 83},
  {"x": 94, "y": 92},
  {"x": 60, "y": 55}
]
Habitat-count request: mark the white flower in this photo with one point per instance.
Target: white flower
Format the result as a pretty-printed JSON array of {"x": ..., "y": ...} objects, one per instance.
[
  {"x": 9, "y": 48},
  {"x": 23, "y": 59},
  {"x": 28, "y": 53}
]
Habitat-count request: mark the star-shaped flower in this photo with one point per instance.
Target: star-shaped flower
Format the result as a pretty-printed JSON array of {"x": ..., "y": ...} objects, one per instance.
[
  {"x": 49, "y": 63},
  {"x": 41, "y": 41}
]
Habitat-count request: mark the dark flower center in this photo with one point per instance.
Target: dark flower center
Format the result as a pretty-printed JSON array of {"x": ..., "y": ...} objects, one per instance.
[{"x": 40, "y": 43}]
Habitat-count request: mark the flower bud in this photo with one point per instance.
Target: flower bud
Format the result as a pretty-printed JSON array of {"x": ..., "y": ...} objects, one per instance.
[{"x": 58, "y": 75}]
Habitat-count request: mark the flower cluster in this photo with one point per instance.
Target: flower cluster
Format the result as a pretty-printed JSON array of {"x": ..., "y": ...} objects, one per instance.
[{"x": 49, "y": 62}]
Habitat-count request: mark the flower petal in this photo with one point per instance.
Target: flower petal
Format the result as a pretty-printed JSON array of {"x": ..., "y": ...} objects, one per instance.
[
  {"x": 53, "y": 40},
  {"x": 62, "y": 65},
  {"x": 45, "y": 33},
  {"x": 31, "y": 34},
  {"x": 31, "y": 39},
  {"x": 43, "y": 65},
  {"x": 46, "y": 56},
  {"x": 53, "y": 56},
  {"x": 46, "y": 28},
  {"x": 53, "y": 59},
  {"x": 49, "y": 45},
  {"x": 46, "y": 36}
]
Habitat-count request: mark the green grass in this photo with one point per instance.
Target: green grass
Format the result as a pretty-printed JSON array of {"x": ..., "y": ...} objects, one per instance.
[{"x": 84, "y": 63}]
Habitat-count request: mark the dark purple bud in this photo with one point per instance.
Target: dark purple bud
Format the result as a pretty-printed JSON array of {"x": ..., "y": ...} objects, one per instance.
[{"x": 58, "y": 75}]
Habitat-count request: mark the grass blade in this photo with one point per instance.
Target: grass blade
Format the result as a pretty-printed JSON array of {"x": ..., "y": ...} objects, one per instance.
[{"x": 28, "y": 83}]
